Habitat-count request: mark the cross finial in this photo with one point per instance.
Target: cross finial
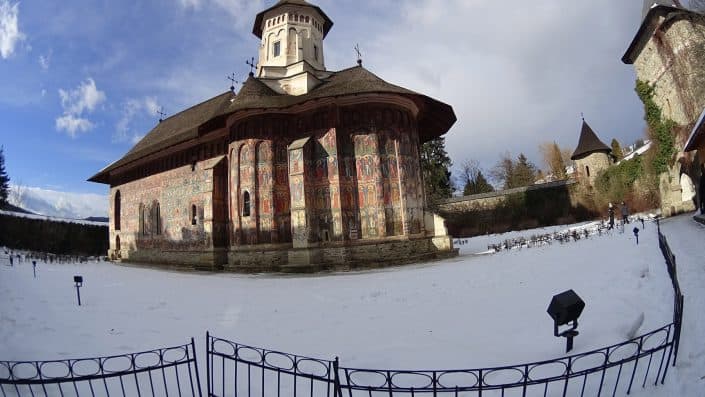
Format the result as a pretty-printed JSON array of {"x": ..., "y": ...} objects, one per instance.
[
  {"x": 582, "y": 116},
  {"x": 359, "y": 54},
  {"x": 252, "y": 65},
  {"x": 161, "y": 113},
  {"x": 233, "y": 81}
]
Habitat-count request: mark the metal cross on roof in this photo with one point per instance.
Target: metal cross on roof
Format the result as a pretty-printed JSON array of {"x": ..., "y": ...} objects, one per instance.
[
  {"x": 359, "y": 54},
  {"x": 233, "y": 81},
  {"x": 252, "y": 65},
  {"x": 161, "y": 113}
]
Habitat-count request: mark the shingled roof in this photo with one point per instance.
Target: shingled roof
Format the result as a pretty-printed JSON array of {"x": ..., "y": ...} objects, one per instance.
[
  {"x": 588, "y": 143},
  {"x": 652, "y": 12},
  {"x": 435, "y": 117}
]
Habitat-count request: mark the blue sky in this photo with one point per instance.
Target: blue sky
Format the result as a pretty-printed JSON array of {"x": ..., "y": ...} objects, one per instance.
[{"x": 80, "y": 80}]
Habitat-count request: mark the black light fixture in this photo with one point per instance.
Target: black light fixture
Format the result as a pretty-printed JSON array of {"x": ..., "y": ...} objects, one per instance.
[
  {"x": 78, "y": 281},
  {"x": 636, "y": 234},
  {"x": 565, "y": 308}
]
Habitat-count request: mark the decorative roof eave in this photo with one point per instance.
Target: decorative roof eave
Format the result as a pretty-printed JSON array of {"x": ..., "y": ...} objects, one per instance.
[
  {"x": 327, "y": 22},
  {"x": 696, "y": 140},
  {"x": 647, "y": 29},
  {"x": 436, "y": 118}
]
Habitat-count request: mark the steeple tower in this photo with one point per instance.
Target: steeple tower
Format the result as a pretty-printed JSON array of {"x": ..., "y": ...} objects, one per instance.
[{"x": 291, "y": 49}]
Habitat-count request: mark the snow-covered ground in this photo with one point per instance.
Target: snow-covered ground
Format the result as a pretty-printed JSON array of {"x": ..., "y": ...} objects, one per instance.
[
  {"x": 53, "y": 218},
  {"x": 470, "y": 311}
]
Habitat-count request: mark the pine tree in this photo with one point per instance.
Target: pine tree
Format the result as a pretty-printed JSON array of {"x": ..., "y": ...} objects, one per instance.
[
  {"x": 4, "y": 180},
  {"x": 435, "y": 165},
  {"x": 617, "y": 149},
  {"x": 524, "y": 172}
]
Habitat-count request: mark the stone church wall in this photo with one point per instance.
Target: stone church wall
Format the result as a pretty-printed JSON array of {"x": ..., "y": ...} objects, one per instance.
[
  {"x": 176, "y": 238},
  {"x": 679, "y": 79}
]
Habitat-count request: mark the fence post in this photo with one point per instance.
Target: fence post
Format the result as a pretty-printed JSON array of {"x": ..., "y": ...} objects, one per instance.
[
  {"x": 195, "y": 366},
  {"x": 336, "y": 378},
  {"x": 208, "y": 364}
]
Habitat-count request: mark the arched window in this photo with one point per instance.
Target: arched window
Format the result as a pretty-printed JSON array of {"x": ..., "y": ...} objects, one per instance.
[
  {"x": 307, "y": 19},
  {"x": 194, "y": 215},
  {"x": 587, "y": 171},
  {"x": 143, "y": 225},
  {"x": 246, "y": 204},
  {"x": 117, "y": 210},
  {"x": 156, "y": 218}
]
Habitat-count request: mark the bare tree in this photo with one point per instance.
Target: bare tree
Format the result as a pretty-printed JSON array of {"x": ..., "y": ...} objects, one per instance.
[
  {"x": 471, "y": 179},
  {"x": 553, "y": 158}
]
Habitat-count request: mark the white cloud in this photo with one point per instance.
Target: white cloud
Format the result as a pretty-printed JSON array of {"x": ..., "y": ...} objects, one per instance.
[
  {"x": 134, "y": 108},
  {"x": 73, "y": 124},
  {"x": 84, "y": 98},
  {"x": 45, "y": 61},
  {"x": 10, "y": 34},
  {"x": 241, "y": 10}
]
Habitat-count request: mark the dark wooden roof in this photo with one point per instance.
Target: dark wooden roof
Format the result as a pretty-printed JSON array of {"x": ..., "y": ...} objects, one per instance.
[
  {"x": 435, "y": 117},
  {"x": 588, "y": 143},
  {"x": 652, "y": 15},
  {"x": 696, "y": 140},
  {"x": 327, "y": 22}
]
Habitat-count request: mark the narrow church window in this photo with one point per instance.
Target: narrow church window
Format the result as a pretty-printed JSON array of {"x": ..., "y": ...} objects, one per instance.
[
  {"x": 587, "y": 171},
  {"x": 156, "y": 218},
  {"x": 315, "y": 52},
  {"x": 117, "y": 210},
  {"x": 194, "y": 215},
  {"x": 143, "y": 229},
  {"x": 246, "y": 204},
  {"x": 307, "y": 19},
  {"x": 277, "y": 49}
]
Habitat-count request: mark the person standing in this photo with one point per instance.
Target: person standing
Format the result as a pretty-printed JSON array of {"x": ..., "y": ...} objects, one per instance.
[
  {"x": 625, "y": 213},
  {"x": 610, "y": 211}
]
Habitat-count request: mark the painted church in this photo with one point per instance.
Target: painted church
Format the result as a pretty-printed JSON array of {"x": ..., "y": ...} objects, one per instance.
[{"x": 303, "y": 169}]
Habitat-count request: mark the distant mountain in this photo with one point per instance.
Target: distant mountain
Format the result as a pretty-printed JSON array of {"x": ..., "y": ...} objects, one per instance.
[
  {"x": 104, "y": 219},
  {"x": 14, "y": 208},
  {"x": 63, "y": 204}
]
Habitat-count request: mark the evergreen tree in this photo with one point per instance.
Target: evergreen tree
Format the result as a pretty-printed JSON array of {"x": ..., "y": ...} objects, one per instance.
[
  {"x": 435, "y": 166},
  {"x": 617, "y": 149},
  {"x": 472, "y": 180},
  {"x": 524, "y": 172},
  {"x": 4, "y": 180}
]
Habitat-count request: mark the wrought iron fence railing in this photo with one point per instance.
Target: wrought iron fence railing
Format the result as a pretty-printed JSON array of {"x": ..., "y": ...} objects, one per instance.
[
  {"x": 235, "y": 369},
  {"x": 171, "y": 371}
]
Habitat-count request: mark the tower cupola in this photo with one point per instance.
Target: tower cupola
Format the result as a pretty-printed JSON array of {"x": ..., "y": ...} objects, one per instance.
[{"x": 291, "y": 47}]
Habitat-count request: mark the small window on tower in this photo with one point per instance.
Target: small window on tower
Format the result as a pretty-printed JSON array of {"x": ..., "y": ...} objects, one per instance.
[
  {"x": 587, "y": 170},
  {"x": 277, "y": 49},
  {"x": 315, "y": 52}
]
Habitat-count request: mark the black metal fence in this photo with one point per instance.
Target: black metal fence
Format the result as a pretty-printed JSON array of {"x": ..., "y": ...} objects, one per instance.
[
  {"x": 234, "y": 369},
  {"x": 171, "y": 371},
  {"x": 678, "y": 297}
]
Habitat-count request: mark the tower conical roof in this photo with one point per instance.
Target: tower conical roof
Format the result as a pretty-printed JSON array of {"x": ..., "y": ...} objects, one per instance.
[{"x": 589, "y": 143}]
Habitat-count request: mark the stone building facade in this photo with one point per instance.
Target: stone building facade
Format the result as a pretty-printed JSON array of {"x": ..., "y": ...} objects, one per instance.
[
  {"x": 668, "y": 52},
  {"x": 590, "y": 156},
  {"x": 302, "y": 169}
]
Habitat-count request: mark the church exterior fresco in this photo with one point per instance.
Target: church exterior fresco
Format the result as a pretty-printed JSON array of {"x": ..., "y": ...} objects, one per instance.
[{"x": 332, "y": 182}]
